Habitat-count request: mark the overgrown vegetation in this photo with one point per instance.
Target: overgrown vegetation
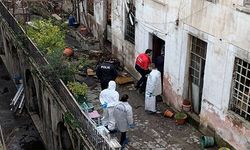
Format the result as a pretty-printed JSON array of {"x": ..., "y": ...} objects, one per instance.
[
  {"x": 70, "y": 120},
  {"x": 50, "y": 40},
  {"x": 79, "y": 90}
]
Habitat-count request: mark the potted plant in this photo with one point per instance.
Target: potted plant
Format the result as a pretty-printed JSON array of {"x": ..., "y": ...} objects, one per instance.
[
  {"x": 79, "y": 91},
  {"x": 180, "y": 118},
  {"x": 186, "y": 105}
]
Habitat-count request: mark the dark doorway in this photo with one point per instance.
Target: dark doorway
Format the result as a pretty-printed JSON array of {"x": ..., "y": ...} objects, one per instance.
[
  {"x": 65, "y": 141},
  {"x": 158, "y": 54},
  {"x": 158, "y": 47},
  {"x": 31, "y": 94}
]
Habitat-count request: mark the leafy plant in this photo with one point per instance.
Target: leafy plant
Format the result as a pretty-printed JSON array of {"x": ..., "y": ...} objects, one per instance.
[
  {"x": 79, "y": 90},
  {"x": 180, "y": 115},
  {"x": 48, "y": 37},
  {"x": 70, "y": 120},
  {"x": 83, "y": 63}
]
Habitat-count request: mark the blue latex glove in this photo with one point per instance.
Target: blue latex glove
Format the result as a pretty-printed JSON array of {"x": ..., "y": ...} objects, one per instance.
[
  {"x": 105, "y": 105},
  {"x": 131, "y": 126}
]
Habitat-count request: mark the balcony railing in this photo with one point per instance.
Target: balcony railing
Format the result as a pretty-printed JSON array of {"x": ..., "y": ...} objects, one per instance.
[{"x": 89, "y": 128}]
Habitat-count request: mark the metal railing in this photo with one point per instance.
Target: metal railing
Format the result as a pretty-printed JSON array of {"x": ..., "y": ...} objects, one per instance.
[{"x": 86, "y": 124}]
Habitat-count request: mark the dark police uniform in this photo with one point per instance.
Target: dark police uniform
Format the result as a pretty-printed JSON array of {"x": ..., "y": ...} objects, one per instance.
[{"x": 105, "y": 73}]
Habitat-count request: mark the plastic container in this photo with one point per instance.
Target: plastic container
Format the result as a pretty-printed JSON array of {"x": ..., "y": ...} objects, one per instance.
[
  {"x": 72, "y": 21},
  {"x": 207, "y": 141}
]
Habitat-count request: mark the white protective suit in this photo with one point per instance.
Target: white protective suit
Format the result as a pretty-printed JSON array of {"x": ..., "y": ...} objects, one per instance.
[
  {"x": 111, "y": 97},
  {"x": 123, "y": 116},
  {"x": 153, "y": 88}
]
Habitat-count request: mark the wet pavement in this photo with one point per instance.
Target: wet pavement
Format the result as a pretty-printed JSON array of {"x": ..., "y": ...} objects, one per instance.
[
  {"x": 152, "y": 131},
  {"x": 18, "y": 130}
]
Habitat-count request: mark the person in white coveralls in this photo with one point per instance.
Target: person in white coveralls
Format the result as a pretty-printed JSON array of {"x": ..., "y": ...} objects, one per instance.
[
  {"x": 109, "y": 98},
  {"x": 123, "y": 115},
  {"x": 153, "y": 88}
]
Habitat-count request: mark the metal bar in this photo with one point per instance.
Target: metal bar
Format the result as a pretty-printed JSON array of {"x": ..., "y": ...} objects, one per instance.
[{"x": 2, "y": 139}]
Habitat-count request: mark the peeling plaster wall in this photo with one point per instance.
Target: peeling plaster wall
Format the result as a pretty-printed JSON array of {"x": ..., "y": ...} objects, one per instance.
[
  {"x": 98, "y": 21},
  {"x": 123, "y": 49},
  {"x": 226, "y": 32}
]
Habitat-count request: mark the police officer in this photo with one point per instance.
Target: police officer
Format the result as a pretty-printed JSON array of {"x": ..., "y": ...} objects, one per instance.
[{"x": 106, "y": 72}]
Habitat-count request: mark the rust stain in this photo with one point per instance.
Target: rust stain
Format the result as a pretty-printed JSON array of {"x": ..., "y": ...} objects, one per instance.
[{"x": 235, "y": 121}]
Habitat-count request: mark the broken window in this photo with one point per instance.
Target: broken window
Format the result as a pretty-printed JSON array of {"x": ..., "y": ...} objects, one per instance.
[
  {"x": 130, "y": 22},
  {"x": 90, "y": 7},
  {"x": 240, "y": 98}
]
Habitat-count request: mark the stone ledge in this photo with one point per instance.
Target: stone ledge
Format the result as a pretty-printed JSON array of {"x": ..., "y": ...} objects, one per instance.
[
  {"x": 243, "y": 9},
  {"x": 193, "y": 119}
]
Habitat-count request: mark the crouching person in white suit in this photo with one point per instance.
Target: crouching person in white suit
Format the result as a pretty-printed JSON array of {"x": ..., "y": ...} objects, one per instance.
[
  {"x": 153, "y": 88},
  {"x": 109, "y": 98}
]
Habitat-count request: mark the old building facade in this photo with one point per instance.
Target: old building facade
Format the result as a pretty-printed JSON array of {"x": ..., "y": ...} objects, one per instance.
[
  {"x": 206, "y": 51},
  {"x": 60, "y": 121}
]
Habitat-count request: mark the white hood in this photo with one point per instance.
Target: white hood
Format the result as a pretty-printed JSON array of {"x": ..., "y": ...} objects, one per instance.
[{"x": 109, "y": 95}]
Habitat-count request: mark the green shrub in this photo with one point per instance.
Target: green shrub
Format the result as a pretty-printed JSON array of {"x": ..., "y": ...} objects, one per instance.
[
  {"x": 79, "y": 91},
  {"x": 48, "y": 37}
]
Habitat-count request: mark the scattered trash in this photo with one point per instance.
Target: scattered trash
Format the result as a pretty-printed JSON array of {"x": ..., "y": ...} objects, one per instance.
[
  {"x": 123, "y": 80},
  {"x": 90, "y": 72},
  {"x": 56, "y": 17},
  {"x": 168, "y": 113},
  {"x": 17, "y": 102}
]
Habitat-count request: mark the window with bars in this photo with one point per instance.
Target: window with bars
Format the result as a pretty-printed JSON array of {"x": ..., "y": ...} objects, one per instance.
[
  {"x": 90, "y": 7},
  {"x": 240, "y": 96},
  {"x": 198, "y": 59},
  {"x": 129, "y": 27}
]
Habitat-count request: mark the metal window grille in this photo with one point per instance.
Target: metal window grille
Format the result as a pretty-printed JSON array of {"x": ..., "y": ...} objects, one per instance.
[
  {"x": 90, "y": 4},
  {"x": 129, "y": 28},
  {"x": 198, "y": 58},
  {"x": 240, "y": 98}
]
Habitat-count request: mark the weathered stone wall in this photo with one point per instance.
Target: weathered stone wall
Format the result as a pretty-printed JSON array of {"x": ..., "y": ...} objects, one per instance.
[{"x": 45, "y": 106}]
